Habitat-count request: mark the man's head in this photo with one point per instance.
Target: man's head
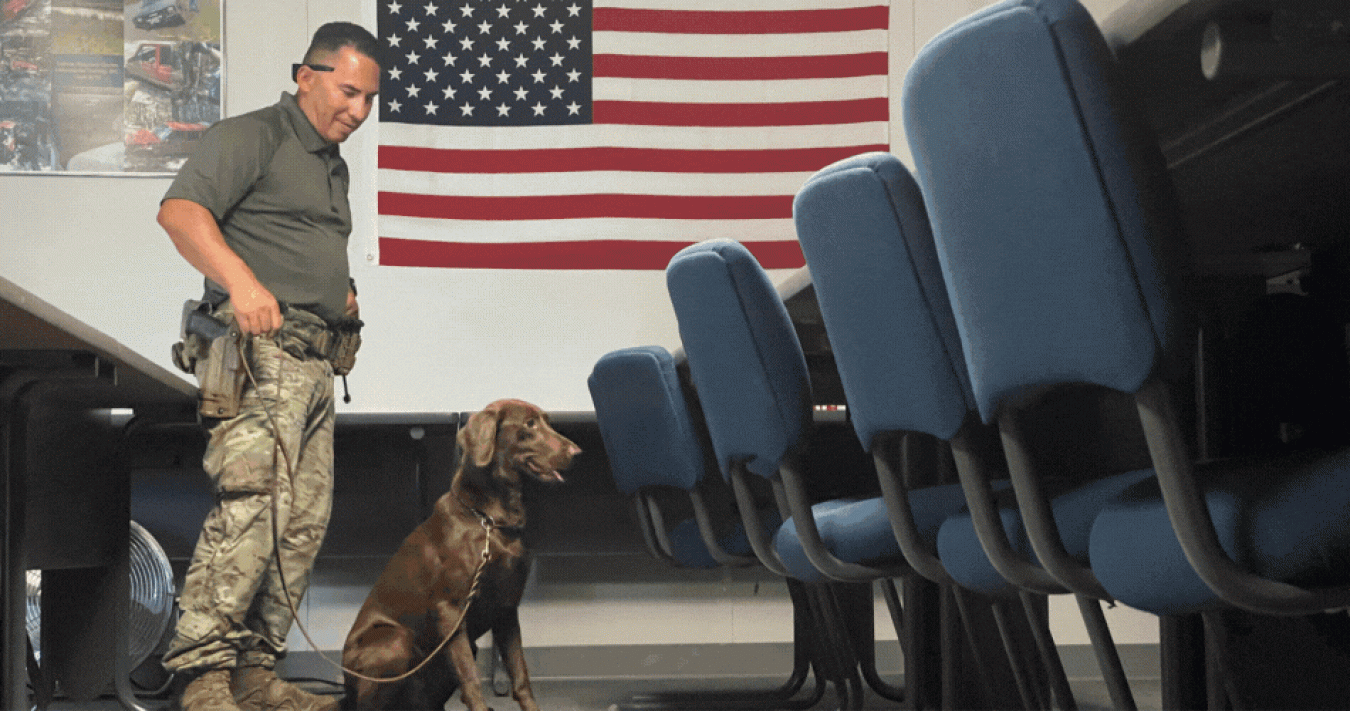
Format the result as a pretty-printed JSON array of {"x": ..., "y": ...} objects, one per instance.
[{"x": 338, "y": 81}]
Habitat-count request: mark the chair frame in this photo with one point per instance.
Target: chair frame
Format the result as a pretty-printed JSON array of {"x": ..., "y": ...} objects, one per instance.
[{"x": 1189, "y": 514}]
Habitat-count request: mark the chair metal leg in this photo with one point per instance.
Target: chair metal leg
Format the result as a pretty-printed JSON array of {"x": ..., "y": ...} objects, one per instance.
[
  {"x": 1108, "y": 659},
  {"x": 983, "y": 664},
  {"x": 837, "y": 652},
  {"x": 805, "y": 650},
  {"x": 856, "y": 603},
  {"x": 1182, "y": 652},
  {"x": 1028, "y": 690},
  {"x": 1040, "y": 632},
  {"x": 1220, "y": 688}
]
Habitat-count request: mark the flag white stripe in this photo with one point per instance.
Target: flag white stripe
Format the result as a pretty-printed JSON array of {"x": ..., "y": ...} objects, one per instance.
[
  {"x": 496, "y": 232},
  {"x": 591, "y": 183},
  {"x": 712, "y": 92},
  {"x": 655, "y": 44},
  {"x": 665, "y": 137},
  {"x": 747, "y": 5}
]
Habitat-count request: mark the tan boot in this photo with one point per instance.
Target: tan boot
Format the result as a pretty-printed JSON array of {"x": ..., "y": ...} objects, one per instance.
[
  {"x": 259, "y": 689},
  {"x": 208, "y": 692}
]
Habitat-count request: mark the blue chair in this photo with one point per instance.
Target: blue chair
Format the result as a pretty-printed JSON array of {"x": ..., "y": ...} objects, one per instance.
[
  {"x": 752, "y": 380},
  {"x": 1061, "y": 245},
  {"x": 656, "y": 444},
  {"x": 865, "y": 233}
]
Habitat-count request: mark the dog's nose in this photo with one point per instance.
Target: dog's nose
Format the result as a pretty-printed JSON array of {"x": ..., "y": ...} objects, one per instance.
[{"x": 573, "y": 450}]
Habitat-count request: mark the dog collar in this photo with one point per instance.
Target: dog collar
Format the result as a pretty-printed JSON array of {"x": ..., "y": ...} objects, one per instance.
[{"x": 488, "y": 522}]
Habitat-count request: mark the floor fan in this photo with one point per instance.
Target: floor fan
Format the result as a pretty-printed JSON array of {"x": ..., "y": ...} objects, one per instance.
[{"x": 151, "y": 598}]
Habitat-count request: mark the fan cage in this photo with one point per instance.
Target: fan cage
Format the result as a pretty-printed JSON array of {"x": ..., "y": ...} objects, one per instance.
[{"x": 150, "y": 602}]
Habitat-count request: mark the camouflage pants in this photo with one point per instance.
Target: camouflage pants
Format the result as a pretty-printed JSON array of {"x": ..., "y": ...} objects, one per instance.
[{"x": 234, "y": 612}]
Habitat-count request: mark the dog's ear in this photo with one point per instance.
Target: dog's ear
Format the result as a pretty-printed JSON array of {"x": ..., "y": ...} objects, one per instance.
[{"x": 478, "y": 437}]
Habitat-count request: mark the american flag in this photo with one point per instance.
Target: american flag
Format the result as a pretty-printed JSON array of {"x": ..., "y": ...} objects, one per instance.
[{"x": 608, "y": 134}]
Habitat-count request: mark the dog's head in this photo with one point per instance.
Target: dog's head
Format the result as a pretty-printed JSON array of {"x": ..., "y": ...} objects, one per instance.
[{"x": 514, "y": 438}]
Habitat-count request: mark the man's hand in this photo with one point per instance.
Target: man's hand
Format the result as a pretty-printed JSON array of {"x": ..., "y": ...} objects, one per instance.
[{"x": 256, "y": 310}]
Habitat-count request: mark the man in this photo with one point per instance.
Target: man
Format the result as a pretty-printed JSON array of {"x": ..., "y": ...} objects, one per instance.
[{"x": 261, "y": 210}]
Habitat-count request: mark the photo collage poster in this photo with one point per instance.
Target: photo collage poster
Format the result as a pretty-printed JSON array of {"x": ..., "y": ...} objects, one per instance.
[{"x": 107, "y": 86}]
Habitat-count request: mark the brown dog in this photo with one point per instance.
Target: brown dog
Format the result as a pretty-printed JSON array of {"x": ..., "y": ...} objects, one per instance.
[{"x": 423, "y": 591}]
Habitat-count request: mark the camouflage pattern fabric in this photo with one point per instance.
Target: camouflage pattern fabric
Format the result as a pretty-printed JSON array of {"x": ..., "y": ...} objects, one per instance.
[{"x": 233, "y": 609}]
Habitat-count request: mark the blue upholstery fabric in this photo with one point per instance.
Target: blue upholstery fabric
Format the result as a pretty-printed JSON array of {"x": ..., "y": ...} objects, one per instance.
[
  {"x": 1057, "y": 232},
  {"x": 1286, "y": 524},
  {"x": 688, "y": 549},
  {"x": 648, "y": 431},
  {"x": 1046, "y": 201},
  {"x": 744, "y": 357},
  {"x": 859, "y": 531},
  {"x": 864, "y": 231},
  {"x": 651, "y": 439},
  {"x": 1074, "y": 511}
]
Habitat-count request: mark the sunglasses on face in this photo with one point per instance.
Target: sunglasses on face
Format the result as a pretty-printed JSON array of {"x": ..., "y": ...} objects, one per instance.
[{"x": 295, "y": 69}]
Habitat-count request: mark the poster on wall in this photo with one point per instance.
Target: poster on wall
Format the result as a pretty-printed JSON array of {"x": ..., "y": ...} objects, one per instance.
[{"x": 123, "y": 87}]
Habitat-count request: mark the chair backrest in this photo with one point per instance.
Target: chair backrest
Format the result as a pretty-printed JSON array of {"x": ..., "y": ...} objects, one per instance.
[
  {"x": 862, "y": 225},
  {"x": 646, "y": 424},
  {"x": 744, "y": 356},
  {"x": 1050, "y": 204}
]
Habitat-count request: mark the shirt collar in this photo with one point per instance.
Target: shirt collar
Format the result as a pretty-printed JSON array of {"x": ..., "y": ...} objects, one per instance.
[{"x": 304, "y": 130}]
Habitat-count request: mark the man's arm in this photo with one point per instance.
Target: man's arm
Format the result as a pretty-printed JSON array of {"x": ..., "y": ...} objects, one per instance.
[{"x": 194, "y": 232}]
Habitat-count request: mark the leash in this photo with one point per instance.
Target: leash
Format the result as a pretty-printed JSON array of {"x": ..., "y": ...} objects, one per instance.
[{"x": 280, "y": 448}]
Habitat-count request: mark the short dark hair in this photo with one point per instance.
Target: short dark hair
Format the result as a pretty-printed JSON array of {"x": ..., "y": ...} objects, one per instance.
[{"x": 333, "y": 36}]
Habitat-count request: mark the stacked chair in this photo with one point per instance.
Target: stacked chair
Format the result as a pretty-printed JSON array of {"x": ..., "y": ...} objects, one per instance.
[
  {"x": 655, "y": 441},
  {"x": 657, "y": 447},
  {"x": 747, "y": 366},
  {"x": 1044, "y": 261},
  {"x": 1062, "y": 249},
  {"x": 865, "y": 233}
]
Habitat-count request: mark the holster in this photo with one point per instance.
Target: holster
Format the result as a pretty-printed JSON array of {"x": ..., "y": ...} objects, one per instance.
[
  {"x": 212, "y": 350},
  {"x": 221, "y": 376}
]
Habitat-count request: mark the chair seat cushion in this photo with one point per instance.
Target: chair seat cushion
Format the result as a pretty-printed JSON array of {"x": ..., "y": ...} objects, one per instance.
[
  {"x": 859, "y": 530},
  {"x": 1075, "y": 510},
  {"x": 1285, "y": 520},
  {"x": 687, "y": 546}
]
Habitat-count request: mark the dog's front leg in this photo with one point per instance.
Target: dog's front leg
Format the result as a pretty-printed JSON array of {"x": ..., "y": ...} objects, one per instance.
[
  {"x": 506, "y": 637},
  {"x": 466, "y": 668}
]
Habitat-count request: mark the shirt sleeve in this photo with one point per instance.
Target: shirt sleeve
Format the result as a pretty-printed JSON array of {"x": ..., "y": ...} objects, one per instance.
[{"x": 227, "y": 161}]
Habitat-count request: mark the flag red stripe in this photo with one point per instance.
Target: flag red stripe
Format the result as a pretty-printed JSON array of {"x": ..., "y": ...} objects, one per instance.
[
  {"x": 806, "y": 113},
  {"x": 614, "y": 19},
  {"x": 456, "y": 207},
  {"x": 590, "y": 254},
  {"x": 562, "y": 160},
  {"x": 825, "y": 66}
]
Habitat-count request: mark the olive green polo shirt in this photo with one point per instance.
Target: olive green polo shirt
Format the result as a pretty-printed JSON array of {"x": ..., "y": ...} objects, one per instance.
[{"x": 278, "y": 190}]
